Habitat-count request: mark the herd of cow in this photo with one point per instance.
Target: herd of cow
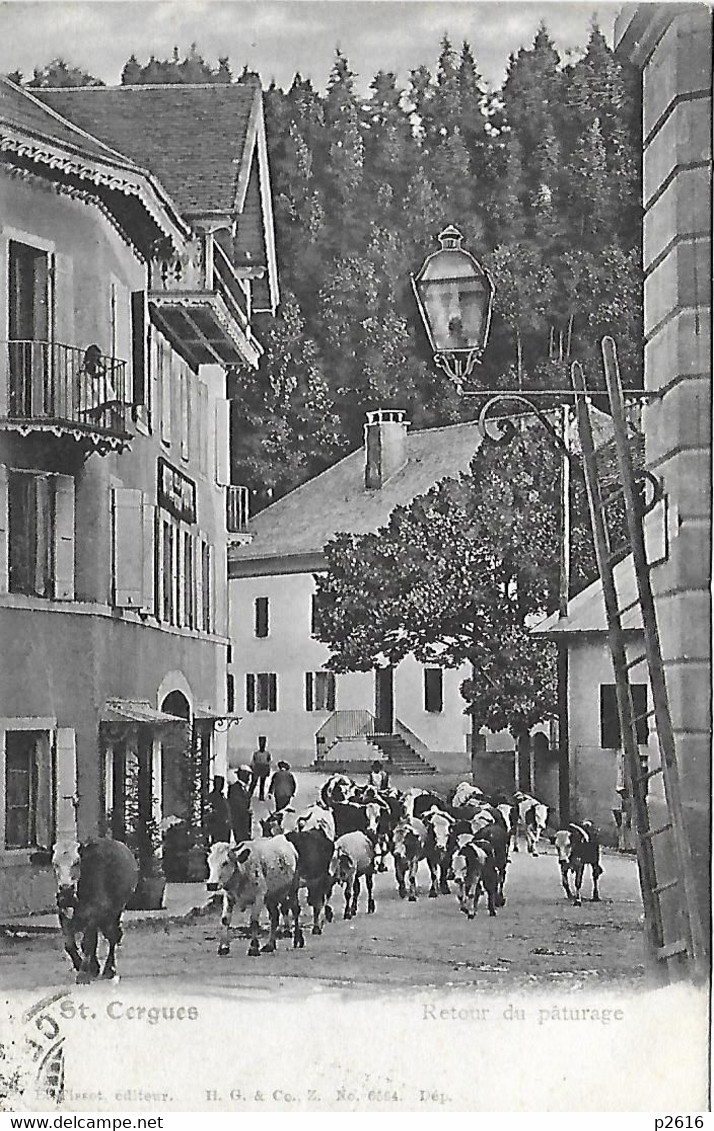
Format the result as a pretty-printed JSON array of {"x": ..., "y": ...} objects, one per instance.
[{"x": 342, "y": 839}]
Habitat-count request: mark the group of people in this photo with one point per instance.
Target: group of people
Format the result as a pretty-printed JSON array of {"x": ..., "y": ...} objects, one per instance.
[{"x": 231, "y": 812}]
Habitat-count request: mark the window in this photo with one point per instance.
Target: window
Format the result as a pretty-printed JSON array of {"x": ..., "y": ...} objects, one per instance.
[
  {"x": 230, "y": 693},
  {"x": 139, "y": 347},
  {"x": 168, "y": 610},
  {"x": 206, "y": 568},
  {"x": 28, "y": 322},
  {"x": 29, "y": 770},
  {"x": 433, "y": 690},
  {"x": 610, "y": 734},
  {"x": 261, "y": 691},
  {"x": 189, "y": 589},
  {"x": 313, "y": 615},
  {"x": 319, "y": 691},
  {"x": 262, "y": 612},
  {"x": 40, "y": 534},
  {"x": 164, "y": 358}
]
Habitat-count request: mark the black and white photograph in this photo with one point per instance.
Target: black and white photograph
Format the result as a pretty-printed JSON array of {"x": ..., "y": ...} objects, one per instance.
[{"x": 355, "y": 557}]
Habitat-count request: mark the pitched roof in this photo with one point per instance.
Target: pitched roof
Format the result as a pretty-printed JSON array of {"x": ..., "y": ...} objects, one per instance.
[
  {"x": 191, "y": 137},
  {"x": 21, "y": 112},
  {"x": 337, "y": 501},
  {"x": 586, "y": 611}
]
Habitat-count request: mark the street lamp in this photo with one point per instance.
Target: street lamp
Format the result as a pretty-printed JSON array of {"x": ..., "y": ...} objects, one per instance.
[{"x": 454, "y": 294}]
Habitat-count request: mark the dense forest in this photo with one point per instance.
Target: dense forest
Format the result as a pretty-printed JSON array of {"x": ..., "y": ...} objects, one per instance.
[{"x": 541, "y": 176}]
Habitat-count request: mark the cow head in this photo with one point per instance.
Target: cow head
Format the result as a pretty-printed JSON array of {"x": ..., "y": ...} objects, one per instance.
[
  {"x": 221, "y": 864},
  {"x": 66, "y": 862},
  {"x": 440, "y": 825},
  {"x": 466, "y": 866},
  {"x": 481, "y": 819},
  {"x": 272, "y": 825}
]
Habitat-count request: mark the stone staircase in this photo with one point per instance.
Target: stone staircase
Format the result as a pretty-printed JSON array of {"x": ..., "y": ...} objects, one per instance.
[{"x": 400, "y": 755}]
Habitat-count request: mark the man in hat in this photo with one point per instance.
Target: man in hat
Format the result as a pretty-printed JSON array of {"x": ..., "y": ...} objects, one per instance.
[
  {"x": 218, "y": 816},
  {"x": 282, "y": 786},
  {"x": 239, "y": 802},
  {"x": 260, "y": 767}
]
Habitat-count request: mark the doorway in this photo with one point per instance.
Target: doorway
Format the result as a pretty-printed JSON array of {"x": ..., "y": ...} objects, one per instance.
[{"x": 384, "y": 700}]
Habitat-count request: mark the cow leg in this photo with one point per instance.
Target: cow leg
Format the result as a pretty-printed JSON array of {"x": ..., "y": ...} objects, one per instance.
[
  {"x": 578, "y": 870},
  {"x": 90, "y": 967},
  {"x": 70, "y": 939},
  {"x": 471, "y": 900},
  {"x": 491, "y": 896},
  {"x": 113, "y": 935},
  {"x": 347, "y": 889},
  {"x": 369, "y": 880},
  {"x": 444, "y": 885},
  {"x": 564, "y": 869},
  {"x": 274, "y": 916},
  {"x": 224, "y": 944},
  {"x": 316, "y": 899},
  {"x": 530, "y": 840},
  {"x": 355, "y": 895},
  {"x": 412, "y": 881},
  {"x": 596, "y": 872},
  {"x": 433, "y": 871},
  {"x": 298, "y": 937},
  {"x": 400, "y": 871}
]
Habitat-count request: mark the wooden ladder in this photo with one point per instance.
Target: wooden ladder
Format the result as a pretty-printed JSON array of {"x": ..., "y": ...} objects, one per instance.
[{"x": 675, "y": 933}]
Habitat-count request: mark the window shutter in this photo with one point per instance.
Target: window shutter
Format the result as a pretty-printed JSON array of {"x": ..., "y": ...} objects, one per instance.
[
  {"x": 203, "y": 428},
  {"x": 128, "y": 548},
  {"x": 139, "y": 337},
  {"x": 223, "y": 455},
  {"x": 212, "y": 626},
  {"x": 4, "y": 532},
  {"x": 183, "y": 380},
  {"x": 308, "y": 691},
  {"x": 148, "y": 515},
  {"x": 609, "y": 720},
  {"x": 261, "y": 617},
  {"x": 250, "y": 692},
  {"x": 165, "y": 360},
  {"x": 159, "y": 565},
  {"x": 66, "y": 784},
  {"x": 64, "y": 538},
  {"x": 272, "y": 692},
  {"x": 331, "y": 684}
]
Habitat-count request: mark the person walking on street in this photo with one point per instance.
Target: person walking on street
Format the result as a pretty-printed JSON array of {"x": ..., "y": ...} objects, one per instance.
[
  {"x": 218, "y": 818},
  {"x": 260, "y": 768},
  {"x": 239, "y": 803},
  {"x": 283, "y": 786}
]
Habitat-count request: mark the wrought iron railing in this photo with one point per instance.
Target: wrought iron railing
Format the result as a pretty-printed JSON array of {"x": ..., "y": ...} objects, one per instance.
[
  {"x": 342, "y": 725},
  {"x": 237, "y": 510},
  {"x": 47, "y": 382}
]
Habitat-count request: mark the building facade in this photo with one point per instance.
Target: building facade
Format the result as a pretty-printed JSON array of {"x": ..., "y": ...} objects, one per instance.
[
  {"x": 121, "y": 309},
  {"x": 280, "y": 682},
  {"x": 672, "y": 46}
]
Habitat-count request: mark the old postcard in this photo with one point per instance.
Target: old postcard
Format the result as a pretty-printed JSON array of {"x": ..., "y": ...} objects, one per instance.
[{"x": 355, "y": 543}]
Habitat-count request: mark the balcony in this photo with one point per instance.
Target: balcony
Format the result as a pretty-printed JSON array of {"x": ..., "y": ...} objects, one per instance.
[
  {"x": 237, "y": 514},
  {"x": 201, "y": 302},
  {"x": 66, "y": 391}
]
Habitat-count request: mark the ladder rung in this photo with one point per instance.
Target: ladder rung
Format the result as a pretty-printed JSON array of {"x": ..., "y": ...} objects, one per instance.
[
  {"x": 605, "y": 500},
  {"x": 664, "y": 887},
  {"x": 669, "y": 951},
  {"x": 645, "y": 715},
  {"x": 626, "y": 608},
  {"x": 657, "y": 832},
  {"x": 637, "y": 660}
]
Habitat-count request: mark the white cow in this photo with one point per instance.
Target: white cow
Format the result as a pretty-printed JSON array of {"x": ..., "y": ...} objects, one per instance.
[{"x": 256, "y": 874}]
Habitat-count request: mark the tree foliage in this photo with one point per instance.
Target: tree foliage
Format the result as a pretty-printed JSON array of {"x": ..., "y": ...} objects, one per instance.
[{"x": 457, "y": 577}]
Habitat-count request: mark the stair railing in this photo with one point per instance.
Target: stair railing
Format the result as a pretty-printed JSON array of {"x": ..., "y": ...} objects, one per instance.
[{"x": 340, "y": 725}]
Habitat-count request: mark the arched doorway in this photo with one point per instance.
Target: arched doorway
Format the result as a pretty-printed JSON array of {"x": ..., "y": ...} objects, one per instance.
[{"x": 176, "y": 759}]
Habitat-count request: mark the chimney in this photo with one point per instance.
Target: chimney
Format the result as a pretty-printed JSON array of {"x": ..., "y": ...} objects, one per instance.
[{"x": 385, "y": 446}]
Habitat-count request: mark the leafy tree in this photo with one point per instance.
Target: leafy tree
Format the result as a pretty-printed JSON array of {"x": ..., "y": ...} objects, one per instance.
[{"x": 454, "y": 578}]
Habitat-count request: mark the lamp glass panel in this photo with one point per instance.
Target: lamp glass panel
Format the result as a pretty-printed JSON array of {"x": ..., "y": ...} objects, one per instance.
[{"x": 456, "y": 311}]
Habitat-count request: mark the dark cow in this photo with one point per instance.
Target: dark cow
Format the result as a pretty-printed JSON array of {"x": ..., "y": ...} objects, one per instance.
[
  {"x": 496, "y": 837},
  {"x": 353, "y": 818},
  {"x": 256, "y": 874},
  {"x": 408, "y": 848},
  {"x": 337, "y": 789},
  {"x": 353, "y": 857},
  {"x": 388, "y": 818},
  {"x": 438, "y": 849},
  {"x": 474, "y": 871},
  {"x": 94, "y": 883},
  {"x": 315, "y": 851},
  {"x": 416, "y": 801},
  {"x": 578, "y": 847}
]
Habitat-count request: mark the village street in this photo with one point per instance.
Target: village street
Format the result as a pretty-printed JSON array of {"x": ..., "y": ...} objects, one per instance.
[{"x": 537, "y": 939}]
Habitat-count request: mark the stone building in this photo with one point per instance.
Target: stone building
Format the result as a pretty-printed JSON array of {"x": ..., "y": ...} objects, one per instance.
[
  {"x": 129, "y": 281},
  {"x": 672, "y": 46}
]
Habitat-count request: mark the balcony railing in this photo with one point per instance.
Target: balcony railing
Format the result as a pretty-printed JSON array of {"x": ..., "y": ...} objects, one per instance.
[
  {"x": 49, "y": 385},
  {"x": 237, "y": 510}
]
